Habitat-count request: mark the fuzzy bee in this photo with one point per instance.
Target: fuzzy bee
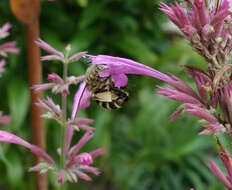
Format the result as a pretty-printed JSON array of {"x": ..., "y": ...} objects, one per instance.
[{"x": 103, "y": 91}]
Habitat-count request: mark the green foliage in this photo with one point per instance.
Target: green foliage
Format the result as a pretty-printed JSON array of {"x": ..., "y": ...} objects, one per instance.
[
  {"x": 18, "y": 93},
  {"x": 144, "y": 150}
]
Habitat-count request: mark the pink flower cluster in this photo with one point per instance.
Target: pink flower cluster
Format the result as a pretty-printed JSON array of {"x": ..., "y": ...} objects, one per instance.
[
  {"x": 5, "y": 49},
  {"x": 227, "y": 161},
  {"x": 207, "y": 25}
]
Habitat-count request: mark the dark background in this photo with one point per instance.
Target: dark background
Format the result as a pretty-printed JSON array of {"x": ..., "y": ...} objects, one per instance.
[{"x": 144, "y": 150}]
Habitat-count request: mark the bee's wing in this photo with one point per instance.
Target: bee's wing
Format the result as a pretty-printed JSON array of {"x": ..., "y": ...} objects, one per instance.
[{"x": 103, "y": 96}]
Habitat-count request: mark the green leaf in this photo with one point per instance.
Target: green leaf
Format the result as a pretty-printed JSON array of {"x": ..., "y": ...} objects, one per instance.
[
  {"x": 90, "y": 14},
  {"x": 3, "y": 157},
  {"x": 15, "y": 170},
  {"x": 18, "y": 101}
]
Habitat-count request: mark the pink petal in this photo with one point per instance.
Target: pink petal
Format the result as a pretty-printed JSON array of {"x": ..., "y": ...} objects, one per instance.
[
  {"x": 77, "y": 99},
  {"x": 81, "y": 143},
  {"x": 82, "y": 175},
  {"x": 50, "y": 57},
  {"x": 200, "y": 113},
  {"x": 177, "y": 113},
  {"x": 212, "y": 128},
  {"x": 177, "y": 95},
  {"x": 120, "y": 80},
  {"x": 5, "y": 119},
  {"x": 90, "y": 169},
  {"x": 11, "y": 138},
  {"x": 42, "y": 44},
  {"x": 68, "y": 139},
  {"x": 6, "y": 27},
  {"x": 40, "y": 152},
  {"x": 84, "y": 159},
  {"x": 97, "y": 152},
  {"x": 219, "y": 173},
  {"x": 54, "y": 78},
  {"x": 61, "y": 177},
  {"x": 42, "y": 87},
  {"x": 118, "y": 65}
]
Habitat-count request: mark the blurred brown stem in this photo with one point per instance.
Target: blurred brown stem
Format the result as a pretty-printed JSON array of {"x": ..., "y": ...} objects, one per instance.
[
  {"x": 34, "y": 74},
  {"x": 27, "y": 11}
]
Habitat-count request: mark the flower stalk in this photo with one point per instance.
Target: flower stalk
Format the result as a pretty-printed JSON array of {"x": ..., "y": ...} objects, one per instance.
[{"x": 64, "y": 122}]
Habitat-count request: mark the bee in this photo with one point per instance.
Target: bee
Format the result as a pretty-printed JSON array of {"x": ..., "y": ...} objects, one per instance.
[{"x": 103, "y": 91}]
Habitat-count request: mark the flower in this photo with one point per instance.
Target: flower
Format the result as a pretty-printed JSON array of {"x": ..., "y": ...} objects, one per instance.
[
  {"x": 78, "y": 164},
  {"x": 8, "y": 47},
  {"x": 57, "y": 84},
  {"x": 4, "y": 30},
  {"x": 227, "y": 161},
  {"x": 11, "y": 138},
  {"x": 2, "y": 64},
  {"x": 206, "y": 25},
  {"x": 4, "y": 119},
  {"x": 58, "y": 55},
  {"x": 118, "y": 67},
  {"x": 53, "y": 110}
]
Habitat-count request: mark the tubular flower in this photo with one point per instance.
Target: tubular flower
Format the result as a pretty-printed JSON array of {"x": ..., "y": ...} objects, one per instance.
[
  {"x": 57, "y": 84},
  {"x": 4, "y": 30},
  {"x": 202, "y": 104},
  {"x": 227, "y": 161},
  {"x": 57, "y": 55},
  {"x": 118, "y": 67},
  {"x": 4, "y": 119},
  {"x": 11, "y": 138},
  {"x": 78, "y": 164},
  {"x": 206, "y": 25},
  {"x": 8, "y": 47}
]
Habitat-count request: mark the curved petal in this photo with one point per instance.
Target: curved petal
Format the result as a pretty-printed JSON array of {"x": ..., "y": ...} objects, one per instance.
[
  {"x": 120, "y": 80},
  {"x": 77, "y": 99},
  {"x": 11, "y": 138}
]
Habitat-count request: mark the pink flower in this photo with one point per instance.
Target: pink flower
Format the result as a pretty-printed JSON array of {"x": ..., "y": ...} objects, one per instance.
[
  {"x": 42, "y": 87},
  {"x": 11, "y": 138},
  {"x": 57, "y": 84},
  {"x": 2, "y": 64},
  {"x": 177, "y": 95},
  {"x": 53, "y": 110},
  {"x": 57, "y": 55},
  {"x": 213, "y": 128},
  {"x": 227, "y": 161},
  {"x": 118, "y": 67},
  {"x": 200, "y": 113},
  {"x": 78, "y": 164},
  {"x": 207, "y": 27},
  {"x": 4, "y": 30},
  {"x": 4, "y": 119},
  {"x": 8, "y": 47}
]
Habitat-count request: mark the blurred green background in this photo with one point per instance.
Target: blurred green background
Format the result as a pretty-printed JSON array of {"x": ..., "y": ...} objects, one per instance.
[{"x": 144, "y": 150}]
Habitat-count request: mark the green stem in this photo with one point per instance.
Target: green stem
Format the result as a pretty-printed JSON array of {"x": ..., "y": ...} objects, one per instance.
[{"x": 64, "y": 123}]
